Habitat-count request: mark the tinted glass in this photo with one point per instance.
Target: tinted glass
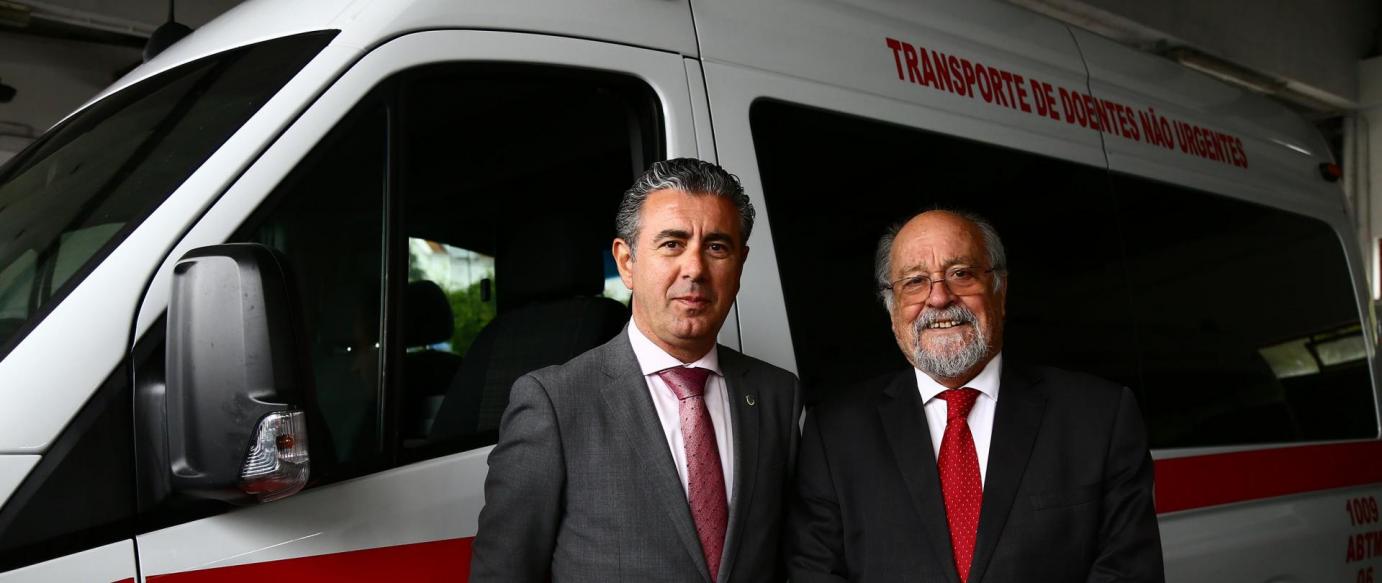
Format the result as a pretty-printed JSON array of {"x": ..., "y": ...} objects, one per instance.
[
  {"x": 76, "y": 192},
  {"x": 1184, "y": 296},
  {"x": 1249, "y": 328},
  {"x": 834, "y": 183},
  {"x": 509, "y": 180},
  {"x": 327, "y": 219}
]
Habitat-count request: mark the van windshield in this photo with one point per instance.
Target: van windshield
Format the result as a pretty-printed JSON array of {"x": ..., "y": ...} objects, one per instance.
[{"x": 74, "y": 194}]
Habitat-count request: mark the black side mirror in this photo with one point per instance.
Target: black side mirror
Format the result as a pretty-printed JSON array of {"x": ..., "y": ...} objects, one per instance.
[{"x": 235, "y": 424}]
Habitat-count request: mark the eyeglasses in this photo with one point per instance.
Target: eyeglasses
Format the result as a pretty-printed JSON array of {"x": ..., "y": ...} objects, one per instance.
[{"x": 960, "y": 280}]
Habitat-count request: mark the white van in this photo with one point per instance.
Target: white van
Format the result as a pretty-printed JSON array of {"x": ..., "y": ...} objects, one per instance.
[{"x": 429, "y": 190}]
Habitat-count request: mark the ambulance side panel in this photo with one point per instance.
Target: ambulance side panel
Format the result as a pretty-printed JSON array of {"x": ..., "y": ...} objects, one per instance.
[{"x": 113, "y": 563}]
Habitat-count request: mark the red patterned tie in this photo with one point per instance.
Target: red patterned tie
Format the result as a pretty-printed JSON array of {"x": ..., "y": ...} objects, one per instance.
[
  {"x": 960, "y": 483},
  {"x": 704, "y": 476}
]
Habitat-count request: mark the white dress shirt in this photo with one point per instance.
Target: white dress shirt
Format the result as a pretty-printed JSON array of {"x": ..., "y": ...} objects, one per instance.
[
  {"x": 651, "y": 359},
  {"x": 980, "y": 417}
]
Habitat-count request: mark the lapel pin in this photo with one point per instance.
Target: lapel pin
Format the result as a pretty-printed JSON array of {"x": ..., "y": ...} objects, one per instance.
[{"x": 750, "y": 400}]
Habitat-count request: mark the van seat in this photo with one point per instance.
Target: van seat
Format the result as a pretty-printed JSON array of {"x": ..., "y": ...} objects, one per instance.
[
  {"x": 428, "y": 320},
  {"x": 547, "y": 281}
]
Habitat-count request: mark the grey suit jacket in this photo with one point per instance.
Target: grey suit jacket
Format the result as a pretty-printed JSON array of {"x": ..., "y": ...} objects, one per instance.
[{"x": 582, "y": 487}]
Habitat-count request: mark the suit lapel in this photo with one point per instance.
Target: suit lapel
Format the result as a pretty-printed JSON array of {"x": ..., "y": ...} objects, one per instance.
[
  {"x": 1016, "y": 422},
  {"x": 626, "y": 396},
  {"x": 909, "y": 437},
  {"x": 745, "y": 428}
]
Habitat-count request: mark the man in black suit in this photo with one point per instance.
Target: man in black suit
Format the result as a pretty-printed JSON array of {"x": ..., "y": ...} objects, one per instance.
[{"x": 968, "y": 468}]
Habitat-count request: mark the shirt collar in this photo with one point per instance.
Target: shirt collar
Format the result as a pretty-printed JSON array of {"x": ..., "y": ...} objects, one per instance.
[
  {"x": 986, "y": 382},
  {"x": 652, "y": 358}
]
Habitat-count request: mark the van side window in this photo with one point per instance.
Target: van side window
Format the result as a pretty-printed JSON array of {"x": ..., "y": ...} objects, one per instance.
[
  {"x": 834, "y": 183},
  {"x": 449, "y": 301},
  {"x": 1234, "y": 323},
  {"x": 327, "y": 220},
  {"x": 509, "y": 177},
  {"x": 1248, "y": 324},
  {"x": 448, "y": 236}
]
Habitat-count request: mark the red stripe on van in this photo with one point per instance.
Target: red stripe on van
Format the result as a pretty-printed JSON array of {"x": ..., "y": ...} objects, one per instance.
[
  {"x": 444, "y": 560},
  {"x": 1210, "y": 480}
]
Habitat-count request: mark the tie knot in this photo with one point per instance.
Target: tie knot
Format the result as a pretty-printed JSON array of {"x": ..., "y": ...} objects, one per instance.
[
  {"x": 685, "y": 382},
  {"x": 959, "y": 401}
]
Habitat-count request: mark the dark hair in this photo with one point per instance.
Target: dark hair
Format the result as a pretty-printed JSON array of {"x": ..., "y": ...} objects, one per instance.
[{"x": 689, "y": 175}]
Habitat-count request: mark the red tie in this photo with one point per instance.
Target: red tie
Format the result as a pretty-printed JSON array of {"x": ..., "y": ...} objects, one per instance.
[
  {"x": 704, "y": 476},
  {"x": 960, "y": 483}
]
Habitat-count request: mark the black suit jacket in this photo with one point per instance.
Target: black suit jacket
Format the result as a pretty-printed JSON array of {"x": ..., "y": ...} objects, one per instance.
[
  {"x": 582, "y": 486},
  {"x": 1067, "y": 496}
]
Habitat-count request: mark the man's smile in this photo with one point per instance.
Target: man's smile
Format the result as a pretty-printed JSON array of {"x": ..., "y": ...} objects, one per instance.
[{"x": 945, "y": 324}]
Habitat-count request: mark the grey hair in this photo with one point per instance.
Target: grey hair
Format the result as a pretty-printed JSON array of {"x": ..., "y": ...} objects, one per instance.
[
  {"x": 882, "y": 259},
  {"x": 689, "y": 175}
]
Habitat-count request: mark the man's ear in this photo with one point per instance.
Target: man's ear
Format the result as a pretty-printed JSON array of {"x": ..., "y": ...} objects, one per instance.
[{"x": 623, "y": 259}]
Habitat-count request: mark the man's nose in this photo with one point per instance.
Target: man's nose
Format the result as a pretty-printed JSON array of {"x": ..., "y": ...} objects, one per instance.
[
  {"x": 939, "y": 295},
  {"x": 693, "y": 264}
]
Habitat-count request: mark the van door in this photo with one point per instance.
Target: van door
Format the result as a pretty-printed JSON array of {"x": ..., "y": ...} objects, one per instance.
[
  {"x": 446, "y": 209},
  {"x": 1248, "y": 297}
]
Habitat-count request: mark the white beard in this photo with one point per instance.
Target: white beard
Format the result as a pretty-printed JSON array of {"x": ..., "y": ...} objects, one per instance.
[{"x": 951, "y": 357}]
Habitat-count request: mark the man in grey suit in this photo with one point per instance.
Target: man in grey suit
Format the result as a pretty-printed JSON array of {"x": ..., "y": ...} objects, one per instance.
[{"x": 659, "y": 456}]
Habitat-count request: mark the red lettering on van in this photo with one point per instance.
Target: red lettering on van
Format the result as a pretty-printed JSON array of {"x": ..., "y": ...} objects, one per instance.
[
  {"x": 961, "y": 77},
  {"x": 1362, "y": 510},
  {"x": 1005, "y": 80},
  {"x": 910, "y": 54},
  {"x": 896, "y": 46},
  {"x": 942, "y": 71},
  {"x": 1039, "y": 97},
  {"x": 1021, "y": 94},
  {"x": 1091, "y": 105},
  {"x": 1067, "y": 106},
  {"x": 981, "y": 74},
  {"x": 928, "y": 72}
]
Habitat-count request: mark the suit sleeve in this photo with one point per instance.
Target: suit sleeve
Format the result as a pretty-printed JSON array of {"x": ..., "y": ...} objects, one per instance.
[
  {"x": 1129, "y": 541},
  {"x": 789, "y": 485},
  {"x": 794, "y": 441},
  {"x": 815, "y": 532},
  {"x": 523, "y": 492}
]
